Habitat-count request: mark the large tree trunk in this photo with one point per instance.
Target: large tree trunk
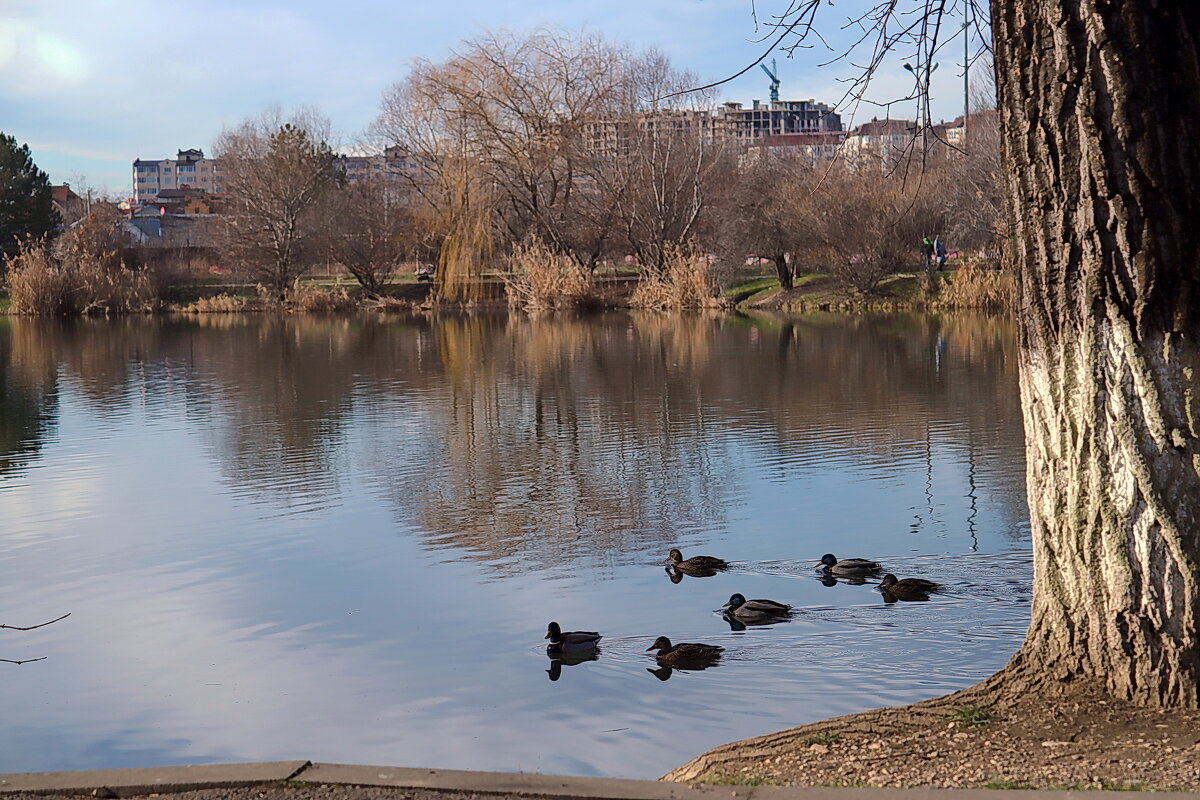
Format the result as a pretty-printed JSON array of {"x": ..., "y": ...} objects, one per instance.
[{"x": 1100, "y": 103}]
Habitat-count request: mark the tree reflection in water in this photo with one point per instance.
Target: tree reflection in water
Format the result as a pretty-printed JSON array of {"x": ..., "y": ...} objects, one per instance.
[{"x": 530, "y": 442}]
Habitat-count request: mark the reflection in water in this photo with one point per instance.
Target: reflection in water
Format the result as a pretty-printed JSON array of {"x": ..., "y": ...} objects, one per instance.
[
  {"x": 27, "y": 401},
  {"x": 557, "y": 662},
  {"x": 239, "y": 507}
]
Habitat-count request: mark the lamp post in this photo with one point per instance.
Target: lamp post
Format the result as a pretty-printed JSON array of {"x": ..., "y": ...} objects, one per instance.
[{"x": 922, "y": 77}]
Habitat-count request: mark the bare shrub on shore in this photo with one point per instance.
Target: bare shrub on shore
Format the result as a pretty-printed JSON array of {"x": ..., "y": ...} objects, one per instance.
[
  {"x": 688, "y": 280},
  {"x": 975, "y": 287},
  {"x": 539, "y": 278}
]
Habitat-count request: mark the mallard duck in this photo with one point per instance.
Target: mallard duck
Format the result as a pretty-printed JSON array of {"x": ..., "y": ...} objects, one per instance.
[
  {"x": 849, "y": 567},
  {"x": 570, "y": 642},
  {"x": 701, "y": 566},
  {"x": 685, "y": 655},
  {"x": 907, "y": 589},
  {"x": 756, "y": 610}
]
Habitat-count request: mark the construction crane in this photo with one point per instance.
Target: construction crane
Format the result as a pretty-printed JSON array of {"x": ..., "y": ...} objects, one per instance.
[{"x": 774, "y": 81}]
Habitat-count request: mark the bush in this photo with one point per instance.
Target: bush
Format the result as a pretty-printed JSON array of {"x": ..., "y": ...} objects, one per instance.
[{"x": 539, "y": 278}]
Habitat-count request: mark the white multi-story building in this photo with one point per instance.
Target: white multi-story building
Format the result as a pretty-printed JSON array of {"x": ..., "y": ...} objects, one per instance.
[{"x": 188, "y": 170}]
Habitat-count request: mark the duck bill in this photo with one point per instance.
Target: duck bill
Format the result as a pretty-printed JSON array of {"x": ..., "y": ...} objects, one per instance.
[
  {"x": 547, "y": 636},
  {"x": 724, "y": 605},
  {"x": 651, "y": 647}
]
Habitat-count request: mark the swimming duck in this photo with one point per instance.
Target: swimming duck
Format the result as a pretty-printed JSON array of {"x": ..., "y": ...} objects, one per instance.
[
  {"x": 697, "y": 566},
  {"x": 685, "y": 655},
  {"x": 848, "y": 567},
  {"x": 907, "y": 589},
  {"x": 570, "y": 642},
  {"x": 756, "y": 610}
]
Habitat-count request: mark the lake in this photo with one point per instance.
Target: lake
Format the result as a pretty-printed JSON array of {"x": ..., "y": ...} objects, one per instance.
[{"x": 341, "y": 539}]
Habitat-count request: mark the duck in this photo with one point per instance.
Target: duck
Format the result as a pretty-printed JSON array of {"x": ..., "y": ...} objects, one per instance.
[
  {"x": 848, "y": 567},
  {"x": 759, "y": 610},
  {"x": 570, "y": 642},
  {"x": 685, "y": 655},
  {"x": 907, "y": 589},
  {"x": 701, "y": 566}
]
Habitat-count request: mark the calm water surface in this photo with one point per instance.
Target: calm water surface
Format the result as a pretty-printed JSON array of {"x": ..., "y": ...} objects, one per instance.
[{"x": 342, "y": 539}]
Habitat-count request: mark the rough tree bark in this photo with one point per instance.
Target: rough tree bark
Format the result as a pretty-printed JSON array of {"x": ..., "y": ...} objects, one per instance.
[{"x": 1099, "y": 104}]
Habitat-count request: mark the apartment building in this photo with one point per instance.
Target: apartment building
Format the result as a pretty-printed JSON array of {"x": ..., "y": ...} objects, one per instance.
[
  {"x": 188, "y": 170},
  {"x": 777, "y": 118}
]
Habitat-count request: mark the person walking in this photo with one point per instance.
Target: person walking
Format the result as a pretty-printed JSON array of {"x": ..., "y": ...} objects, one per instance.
[
  {"x": 927, "y": 249},
  {"x": 939, "y": 252}
]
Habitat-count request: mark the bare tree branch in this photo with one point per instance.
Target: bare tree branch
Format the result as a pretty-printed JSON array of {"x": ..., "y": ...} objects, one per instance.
[{"x": 32, "y": 627}]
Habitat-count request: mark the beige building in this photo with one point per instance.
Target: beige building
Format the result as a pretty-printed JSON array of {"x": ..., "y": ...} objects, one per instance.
[{"x": 188, "y": 170}]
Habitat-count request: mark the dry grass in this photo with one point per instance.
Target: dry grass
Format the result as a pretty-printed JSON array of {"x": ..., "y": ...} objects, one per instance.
[
  {"x": 539, "y": 279},
  {"x": 973, "y": 287},
  {"x": 688, "y": 280}
]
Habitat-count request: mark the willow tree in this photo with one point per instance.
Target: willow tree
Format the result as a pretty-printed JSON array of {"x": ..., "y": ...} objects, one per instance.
[{"x": 1099, "y": 103}]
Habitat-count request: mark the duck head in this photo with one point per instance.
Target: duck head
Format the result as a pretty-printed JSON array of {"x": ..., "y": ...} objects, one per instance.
[
  {"x": 735, "y": 601},
  {"x": 827, "y": 561},
  {"x": 661, "y": 644},
  {"x": 888, "y": 580},
  {"x": 553, "y": 633},
  {"x": 675, "y": 556}
]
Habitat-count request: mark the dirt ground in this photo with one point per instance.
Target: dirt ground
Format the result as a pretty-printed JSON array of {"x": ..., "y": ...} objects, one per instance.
[{"x": 971, "y": 739}]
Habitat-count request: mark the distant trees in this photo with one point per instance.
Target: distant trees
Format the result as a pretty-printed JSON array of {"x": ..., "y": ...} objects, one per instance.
[
  {"x": 276, "y": 175},
  {"x": 546, "y": 136},
  {"x": 26, "y": 205}
]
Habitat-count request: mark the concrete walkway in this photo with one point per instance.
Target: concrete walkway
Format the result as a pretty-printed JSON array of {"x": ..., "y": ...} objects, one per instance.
[{"x": 516, "y": 786}]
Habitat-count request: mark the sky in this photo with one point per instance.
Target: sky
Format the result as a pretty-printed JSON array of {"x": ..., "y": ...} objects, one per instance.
[{"x": 90, "y": 85}]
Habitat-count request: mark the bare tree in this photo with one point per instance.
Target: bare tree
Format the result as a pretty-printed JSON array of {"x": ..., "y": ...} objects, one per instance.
[
  {"x": 661, "y": 162},
  {"x": 276, "y": 173},
  {"x": 517, "y": 106},
  {"x": 373, "y": 230},
  {"x": 759, "y": 213}
]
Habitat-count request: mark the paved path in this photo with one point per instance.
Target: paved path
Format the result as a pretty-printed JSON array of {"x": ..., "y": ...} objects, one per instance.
[{"x": 304, "y": 780}]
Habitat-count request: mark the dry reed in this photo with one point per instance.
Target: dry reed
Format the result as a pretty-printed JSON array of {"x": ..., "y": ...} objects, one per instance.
[
  {"x": 220, "y": 304},
  {"x": 37, "y": 284},
  {"x": 687, "y": 280},
  {"x": 973, "y": 287},
  {"x": 315, "y": 300},
  {"x": 539, "y": 279}
]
